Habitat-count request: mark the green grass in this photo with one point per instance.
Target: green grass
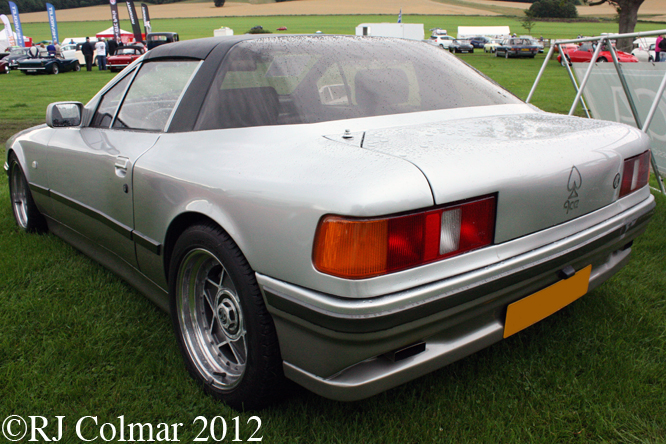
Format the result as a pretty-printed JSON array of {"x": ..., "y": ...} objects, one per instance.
[
  {"x": 337, "y": 24},
  {"x": 75, "y": 340}
]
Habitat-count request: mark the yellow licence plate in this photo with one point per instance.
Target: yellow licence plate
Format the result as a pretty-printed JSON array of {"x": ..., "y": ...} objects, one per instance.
[{"x": 531, "y": 309}]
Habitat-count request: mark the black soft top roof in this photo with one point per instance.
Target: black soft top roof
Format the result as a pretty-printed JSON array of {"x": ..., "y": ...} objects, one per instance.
[{"x": 200, "y": 49}]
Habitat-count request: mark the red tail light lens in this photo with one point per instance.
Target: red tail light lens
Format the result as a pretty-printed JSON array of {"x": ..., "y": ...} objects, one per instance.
[
  {"x": 363, "y": 248},
  {"x": 635, "y": 173}
]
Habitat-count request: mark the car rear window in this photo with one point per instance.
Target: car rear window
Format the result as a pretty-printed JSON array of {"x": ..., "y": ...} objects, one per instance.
[{"x": 283, "y": 80}]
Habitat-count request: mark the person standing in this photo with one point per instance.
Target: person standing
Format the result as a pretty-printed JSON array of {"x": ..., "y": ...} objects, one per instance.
[
  {"x": 659, "y": 47},
  {"x": 58, "y": 50},
  {"x": 100, "y": 46},
  {"x": 51, "y": 49},
  {"x": 112, "y": 46},
  {"x": 87, "y": 49}
]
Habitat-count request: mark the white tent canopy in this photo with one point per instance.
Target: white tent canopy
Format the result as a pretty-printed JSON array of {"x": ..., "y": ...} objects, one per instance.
[
  {"x": 488, "y": 31},
  {"x": 125, "y": 36}
]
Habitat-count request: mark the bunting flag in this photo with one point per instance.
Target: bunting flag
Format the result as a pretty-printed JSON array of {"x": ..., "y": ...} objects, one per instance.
[
  {"x": 17, "y": 24},
  {"x": 115, "y": 20},
  {"x": 146, "y": 18},
  {"x": 400, "y": 16},
  {"x": 50, "y": 10},
  {"x": 136, "y": 28},
  {"x": 8, "y": 30}
]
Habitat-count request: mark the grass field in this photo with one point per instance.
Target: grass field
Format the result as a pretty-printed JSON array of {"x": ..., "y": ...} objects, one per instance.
[
  {"x": 75, "y": 340},
  {"x": 337, "y": 24}
]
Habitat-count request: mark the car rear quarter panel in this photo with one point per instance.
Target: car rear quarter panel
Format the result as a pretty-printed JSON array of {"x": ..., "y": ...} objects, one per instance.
[{"x": 268, "y": 188}]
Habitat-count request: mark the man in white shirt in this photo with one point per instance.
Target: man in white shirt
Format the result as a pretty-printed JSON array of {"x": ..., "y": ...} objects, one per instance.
[{"x": 100, "y": 46}]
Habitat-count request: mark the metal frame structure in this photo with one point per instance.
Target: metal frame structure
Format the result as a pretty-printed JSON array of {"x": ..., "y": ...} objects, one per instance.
[{"x": 579, "y": 88}]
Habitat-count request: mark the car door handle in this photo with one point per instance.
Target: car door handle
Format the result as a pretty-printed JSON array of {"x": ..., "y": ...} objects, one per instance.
[{"x": 121, "y": 166}]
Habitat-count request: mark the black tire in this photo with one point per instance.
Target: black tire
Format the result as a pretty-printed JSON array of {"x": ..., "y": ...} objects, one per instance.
[
  {"x": 601, "y": 60},
  {"x": 77, "y": 67},
  {"x": 225, "y": 333},
  {"x": 650, "y": 59},
  {"x": 496, "y": 53},
  {"x": 26, "y": 214},
  {"x": 7, "y": 70},
  {"x": 55, "y": 69}
]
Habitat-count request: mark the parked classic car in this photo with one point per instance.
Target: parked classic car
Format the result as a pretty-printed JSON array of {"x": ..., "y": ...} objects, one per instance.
[
  {"x": 443, "y": 41},
  {"x": 644, "y": 55},
  {"x": 479, "y": 41},
  {"x": 155, "y": 39},
  {"x": 350, "y": 238},
  {"x": 584, "y": 53},
  {"x": 69, "y": 51},
  {"x": 492, "y": 46},
  {"x": 461, "y": 46},
  {"x": 516, "y": 47},
  {"x": 565, "y": 46},
  {"x": 124, "y": 56},
  {"x": 48, "y": 65},
  {"x": 16, "y": 54}
]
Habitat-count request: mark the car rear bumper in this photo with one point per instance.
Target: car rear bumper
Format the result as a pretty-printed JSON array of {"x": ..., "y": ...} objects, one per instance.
[
  {"x": 31, "y": 68},
  {"x": 348, "y": 349}
]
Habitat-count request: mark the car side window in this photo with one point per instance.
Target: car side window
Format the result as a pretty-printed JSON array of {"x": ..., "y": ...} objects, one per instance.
[
  {"x": 153, "y": 94},
  {"x": 109, "y": 104}
]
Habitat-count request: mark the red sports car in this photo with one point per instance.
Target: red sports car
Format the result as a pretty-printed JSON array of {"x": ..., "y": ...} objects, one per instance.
[
  {"x": 124, "y": 56},
  {"x": 584, "y": 54}
]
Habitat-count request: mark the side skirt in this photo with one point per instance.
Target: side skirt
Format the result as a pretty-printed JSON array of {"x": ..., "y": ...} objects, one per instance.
[{"x": 109, "y": 260}]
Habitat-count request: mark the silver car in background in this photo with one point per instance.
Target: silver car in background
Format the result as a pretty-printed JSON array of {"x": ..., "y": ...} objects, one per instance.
[{"x": 347, "y": 212}]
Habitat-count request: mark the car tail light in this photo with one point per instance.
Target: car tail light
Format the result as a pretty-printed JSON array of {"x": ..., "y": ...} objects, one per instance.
[
  {"x": 361, "y": 248},
  {"x": 635, "y": 173}
]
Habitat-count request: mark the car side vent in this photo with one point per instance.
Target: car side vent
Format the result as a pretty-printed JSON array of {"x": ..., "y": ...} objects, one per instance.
[{"x": 406, "y": 352}]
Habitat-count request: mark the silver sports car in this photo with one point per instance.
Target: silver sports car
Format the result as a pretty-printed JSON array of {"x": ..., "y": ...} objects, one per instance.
[{"x": 350, "y": 213}]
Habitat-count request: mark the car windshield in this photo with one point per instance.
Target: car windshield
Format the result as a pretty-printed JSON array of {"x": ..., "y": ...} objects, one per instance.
[
  {"x": 18, "y": 51},
  {"x": 520, "y": 42},
  {"x": 125, "y": 51},
  {"x": 282, "y": 80}
]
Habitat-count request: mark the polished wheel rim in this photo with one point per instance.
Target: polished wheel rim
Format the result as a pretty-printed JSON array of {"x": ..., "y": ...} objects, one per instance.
[
  {"x": 211, "y": 319},
  {"x": 19, "y": 197}
]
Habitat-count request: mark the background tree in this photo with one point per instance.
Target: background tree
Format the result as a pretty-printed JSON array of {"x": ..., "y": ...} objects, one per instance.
[
  {"x": 627, "y": 11},
  {"x": 528, "y": 21},
  {"x": 553, "y": 9}
]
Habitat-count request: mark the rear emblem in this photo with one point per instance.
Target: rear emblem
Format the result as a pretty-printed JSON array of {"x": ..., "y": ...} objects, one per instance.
[
  {"x": 574, "y": 184},
  {"x": 616, "y": 181}
]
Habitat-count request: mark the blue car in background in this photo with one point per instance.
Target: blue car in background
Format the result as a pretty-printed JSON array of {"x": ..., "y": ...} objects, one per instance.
[{"x": 48, "y": 65}]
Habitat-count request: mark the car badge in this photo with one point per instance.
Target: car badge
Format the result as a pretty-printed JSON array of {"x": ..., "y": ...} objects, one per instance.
[
  {"x": 616, "y": 181},
  {"x": 574, "y": 184}
]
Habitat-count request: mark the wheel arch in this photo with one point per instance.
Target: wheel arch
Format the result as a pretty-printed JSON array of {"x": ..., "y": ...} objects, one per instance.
[{"x": 178, "y": 225}]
